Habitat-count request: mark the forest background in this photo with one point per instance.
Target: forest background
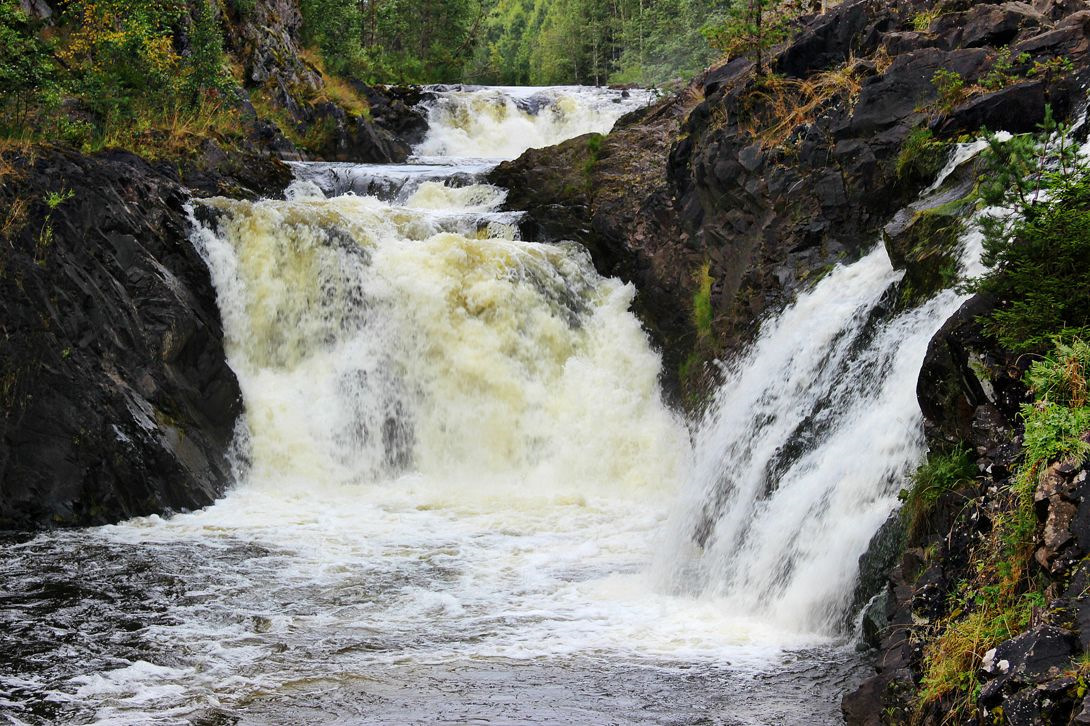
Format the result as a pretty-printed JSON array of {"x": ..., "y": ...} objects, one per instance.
[{"x": 516, "y": 42}]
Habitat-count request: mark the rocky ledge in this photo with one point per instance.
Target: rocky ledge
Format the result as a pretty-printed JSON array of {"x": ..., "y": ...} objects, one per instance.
[
  {"x": 745, "y": 188},
  {"x": 970, "y": 390},
  {"x": 115, "y": 396}
]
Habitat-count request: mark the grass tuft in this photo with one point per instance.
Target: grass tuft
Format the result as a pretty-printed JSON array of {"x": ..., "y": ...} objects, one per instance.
[{"x": 703, "y": 317}]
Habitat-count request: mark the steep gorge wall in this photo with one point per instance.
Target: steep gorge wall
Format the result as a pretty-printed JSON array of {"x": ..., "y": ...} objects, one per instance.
[
  {"x": 770, "y": 181},
  {"x": 115, "y": 396}
]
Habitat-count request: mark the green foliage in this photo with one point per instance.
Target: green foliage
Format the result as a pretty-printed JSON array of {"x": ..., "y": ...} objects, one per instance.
[
  {"x": 56, "y": 199},
  {"x": 1059, "y": 418},
  {"x": 1037, "y": 249},
  {"x": 1002, "y": 72},
  {"x": 1054, "y": 431},
  {"x": 27, "y": 68},
  {"x": 594, "y": 41},
  {"x": 594, "y": 151},
  {"x": 116, "y": 65},
  {"x": 1060, "y": 377},
  {"x": 922, "y": 20},
  {"x": 940, "y": 473},
  {"x": 751, "y": 28},
  {"x": 207, "y": 70},
  {"x": 666, "y": 39},
  {"x": 951, "y": 88},
  {"x": 1060, "y": 65},
  {"x": 703, "y": 316},
  {"x": 421, "y": 41},
  {"x": 921, "y": 156},
  {"x": 52, "y": 200}
]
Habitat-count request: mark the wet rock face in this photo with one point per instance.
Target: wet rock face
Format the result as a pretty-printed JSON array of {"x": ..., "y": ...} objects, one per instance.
[
  {"x": 116, "y": 396},
  {"x": 970, "y": 391},
  {"x": 769, "y": 202}
]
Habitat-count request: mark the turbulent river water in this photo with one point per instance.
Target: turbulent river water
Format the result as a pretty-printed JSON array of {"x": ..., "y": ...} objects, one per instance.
[{"x": 460, "y": 497}]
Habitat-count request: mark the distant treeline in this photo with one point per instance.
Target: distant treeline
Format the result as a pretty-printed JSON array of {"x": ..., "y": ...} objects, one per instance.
[
  {"x": 515, "y": 42},
  {"x": 153, "y": 75}
]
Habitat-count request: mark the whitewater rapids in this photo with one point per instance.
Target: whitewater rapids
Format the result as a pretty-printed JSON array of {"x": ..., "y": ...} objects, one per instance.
[{"x": 460, "y": 495}]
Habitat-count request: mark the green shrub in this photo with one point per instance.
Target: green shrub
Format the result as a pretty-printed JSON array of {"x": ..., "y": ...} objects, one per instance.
[
  {"x": 951, "y": 88},
  {"x": 207, "y": 71},
  {"x": 1060, "y": 377},
  {"x": 921, "y": 156},
  {"x": 117, "y": 67},
  {"x": 1037, "y": 252},
  {"x": 1002, "y": 72},
  {"x": 940, "y": 473},
  {"x": 594, "y": 153},
  {"x": 27, "y": 70},
  {"x": 921, "y": 21},
  {"x": 1059, "y": 417}
]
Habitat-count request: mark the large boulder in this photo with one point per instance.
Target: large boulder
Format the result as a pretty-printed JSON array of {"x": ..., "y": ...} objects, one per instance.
[
  {"x": 117, "y": 399},
  {"x": 1041, "y": 653}
]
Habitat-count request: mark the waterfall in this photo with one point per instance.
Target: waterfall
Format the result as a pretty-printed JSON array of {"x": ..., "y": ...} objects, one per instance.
[
  {"x": 460, "y": 491},
  {"x": 373, "y": 340},
  {"x": 803, "y": 448},
  {"x": 503, "y": 122}
]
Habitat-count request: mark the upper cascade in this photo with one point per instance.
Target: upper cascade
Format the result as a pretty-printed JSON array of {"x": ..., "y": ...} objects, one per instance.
[{"x": 500, "y": 123}]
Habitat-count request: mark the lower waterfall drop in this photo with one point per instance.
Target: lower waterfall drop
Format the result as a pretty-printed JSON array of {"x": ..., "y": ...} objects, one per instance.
[
  {"x": 373, "y": 340},
  {"x": 803, "y": 448}
]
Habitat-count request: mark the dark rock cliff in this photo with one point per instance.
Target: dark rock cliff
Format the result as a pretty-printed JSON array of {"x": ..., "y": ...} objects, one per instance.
[
  {"x": 116, "y": 396},
  {"x": 970, "y": 391},
  {"x": 770, "y": 181}
]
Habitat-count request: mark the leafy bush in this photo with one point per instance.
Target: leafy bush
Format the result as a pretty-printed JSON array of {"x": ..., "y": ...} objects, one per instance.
[
  {"x": 119, "y": 67},
  {"x": 921, "y": 156},
  {"x": 951, "y": 88},
  {"x": 1061, "y": 376},
  {"x": 751, "y": 28},
  {"x": 921, "y": 21},
  {"x": 1060, "y": 417},
  {"x": 27, "y": 70},
  {"x": 206, "y": 70},
  {"x": 1002, "y": 72},
  {"x": 1037, "y": 249},
  {"x": 940, "y": 473}
]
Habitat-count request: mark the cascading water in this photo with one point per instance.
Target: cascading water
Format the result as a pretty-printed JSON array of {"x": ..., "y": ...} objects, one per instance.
[
  {"x": 803, "y": 448},
  {"x": 457, "y": 474},
  {"x": 501, "y": 123}
]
